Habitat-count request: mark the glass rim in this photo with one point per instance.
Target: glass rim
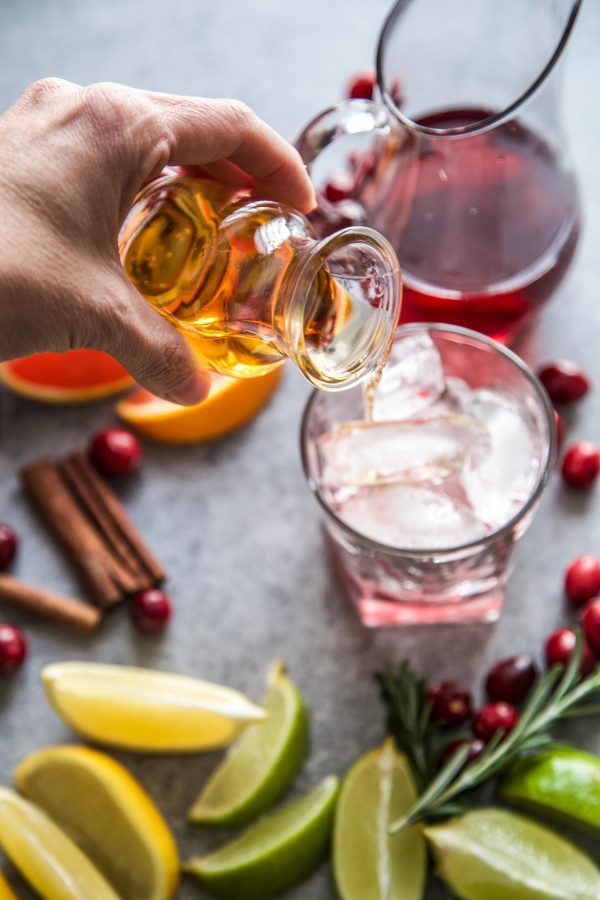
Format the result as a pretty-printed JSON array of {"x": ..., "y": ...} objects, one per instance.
[
  {"x": 530, "y": 503},
  {"x": 484, "y": 124}
]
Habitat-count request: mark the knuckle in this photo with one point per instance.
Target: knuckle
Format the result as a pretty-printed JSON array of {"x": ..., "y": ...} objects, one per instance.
[
  {"x": 106, "y": 105},
  {"x": 39, "y": 91},
  {"x": 239, "y": 113}
]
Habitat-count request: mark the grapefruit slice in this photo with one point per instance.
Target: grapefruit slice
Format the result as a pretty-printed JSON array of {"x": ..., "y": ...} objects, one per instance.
[
  {"x": 74, "y": 377},
  {"x": 231, "y": 403}
]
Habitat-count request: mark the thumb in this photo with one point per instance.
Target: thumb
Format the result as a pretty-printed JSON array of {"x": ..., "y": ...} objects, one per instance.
[{"x": 150, "y": 348}]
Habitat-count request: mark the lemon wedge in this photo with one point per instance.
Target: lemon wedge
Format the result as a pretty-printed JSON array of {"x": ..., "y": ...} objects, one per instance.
[
  {"x": 5, "y": 891},
  {"x": 106, "y": 812},
  {"x": 54, "y": 866},
  {"x": 147, "y": 710}
]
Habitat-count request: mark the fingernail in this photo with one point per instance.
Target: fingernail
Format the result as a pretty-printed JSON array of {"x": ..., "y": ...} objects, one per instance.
[{"x": 192, "y": 391}]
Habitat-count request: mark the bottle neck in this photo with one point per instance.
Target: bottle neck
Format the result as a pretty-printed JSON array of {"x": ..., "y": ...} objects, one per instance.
[{"x": 339, "y": 306}]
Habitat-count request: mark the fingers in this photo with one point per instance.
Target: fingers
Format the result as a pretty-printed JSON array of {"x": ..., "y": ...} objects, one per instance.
[
  {"x": 149, "y": 347},
  {"x": 205, "y": 131}
]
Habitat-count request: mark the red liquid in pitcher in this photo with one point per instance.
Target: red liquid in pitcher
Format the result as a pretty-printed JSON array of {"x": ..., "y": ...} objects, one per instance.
[{"x": 491, "y": 228}]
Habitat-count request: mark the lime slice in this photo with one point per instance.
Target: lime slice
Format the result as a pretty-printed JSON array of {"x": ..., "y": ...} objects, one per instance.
[
  {"x": 146, "y": 710},
  {"x": 368, "y": 861},
  {"x": 5, "y": 891},
  {"x": 275, "y": 852},
  {"x": 494, "y": 854},
  {"x": 47, "y": 858},
  {"x": 105, "y": 811},
  {"x": 562, "y": 783},
  {"x": 263, "y": 763}
]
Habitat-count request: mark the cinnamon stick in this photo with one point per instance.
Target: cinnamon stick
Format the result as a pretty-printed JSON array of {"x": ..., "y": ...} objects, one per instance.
[
  {"x": 104, "y": 506},
  {"x": 64, "y": 610},
  {"x": 130, "y": 576},
  {"x": 88, "y": 552}
]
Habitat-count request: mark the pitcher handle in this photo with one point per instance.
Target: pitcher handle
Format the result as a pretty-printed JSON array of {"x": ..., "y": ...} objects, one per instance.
[{"x": 350, "y": 117}]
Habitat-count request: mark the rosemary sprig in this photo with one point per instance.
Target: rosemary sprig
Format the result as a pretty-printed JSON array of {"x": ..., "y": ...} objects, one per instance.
[
  {"x": 409, "y": 720},
  {"x": 558, "y": 695}
]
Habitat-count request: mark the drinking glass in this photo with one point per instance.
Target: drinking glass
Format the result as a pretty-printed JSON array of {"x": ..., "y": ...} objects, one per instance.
[
  {"x": 449, "y": 581},
  {"x": 462, "y": 161}
]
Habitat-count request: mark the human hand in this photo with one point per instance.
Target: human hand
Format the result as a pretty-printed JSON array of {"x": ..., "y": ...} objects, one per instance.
[{"x": 73, "y": 159}]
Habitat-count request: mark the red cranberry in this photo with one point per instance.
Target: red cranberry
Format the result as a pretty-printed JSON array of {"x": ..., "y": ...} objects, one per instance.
[
  {"x": 8, "y": 546},
  {"x": 362, "y": 85},
  {"x": 115, "y": 451},
  {"x": 564, "y": 381},
  {"x": 511, "y": 679},
  {"x": 151, "y": 610},
  {"x": 450, "y": 703},
  {"x": 582, "y": 579},
  {"x": 339, "y": 188},
  {"x": 492, "y": 718},
  {"x": 581, "y": 464},
  {"x": 590, "y": 620},
  {"x": 13, "y": 650},
  {"x": 560, "y": 646},
  {"x": 476, "y": 748},
  {"x": 559, "y": 427}
]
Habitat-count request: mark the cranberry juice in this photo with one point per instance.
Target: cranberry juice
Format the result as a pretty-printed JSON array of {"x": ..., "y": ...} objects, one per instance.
[{"x": 490, "y": 225}]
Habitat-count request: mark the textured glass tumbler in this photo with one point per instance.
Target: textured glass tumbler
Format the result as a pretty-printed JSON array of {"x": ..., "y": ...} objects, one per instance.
[{"x": 394, "y": 585}]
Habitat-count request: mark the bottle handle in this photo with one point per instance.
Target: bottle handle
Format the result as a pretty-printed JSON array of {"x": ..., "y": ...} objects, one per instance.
[{"x": 350, "y": 117}]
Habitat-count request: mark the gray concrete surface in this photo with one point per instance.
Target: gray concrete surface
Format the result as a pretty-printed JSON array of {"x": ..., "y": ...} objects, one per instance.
[{"x": 233, "y": 522}]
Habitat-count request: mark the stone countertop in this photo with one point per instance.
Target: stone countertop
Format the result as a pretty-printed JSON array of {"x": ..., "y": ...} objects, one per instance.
[{"x": 233, "y": 522}]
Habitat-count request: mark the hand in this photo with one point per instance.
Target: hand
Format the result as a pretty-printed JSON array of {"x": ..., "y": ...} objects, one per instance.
[{"x": 73, "y": 159}]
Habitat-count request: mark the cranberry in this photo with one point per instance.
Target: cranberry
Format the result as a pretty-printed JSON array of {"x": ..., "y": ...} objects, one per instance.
[
  {"x": 581, "y": 464},
  {"x": 13, "y": 650},
  {"x": 339, "y": 188},
  {"x": 560, "y": 646},
  {"x": 450, "y": 703},
  {"x": 476, "y": 748},
  {"x": 151, "y": 610},
  {"x": 590, "y": 620},
  {"x": 396, "y": 91},
  {"x": 362, "y": 86},
  {"x": 115, "y": 451},
  {"x": 8, "y": 546},
  {"x": 564, "y": 381},
  {"x": 559, "y": 427},
  {"x": 582, "y": 579},
  {"x": 511, "y": 679},
  {"x": 492, "y": 718}
]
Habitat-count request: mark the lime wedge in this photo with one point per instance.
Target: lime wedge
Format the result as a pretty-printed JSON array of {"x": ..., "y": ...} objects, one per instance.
[
  {"x": 494, "y": 854},
  {"x": 106, "y": 812},
  {"x": 368, "y": 861},
  {"x": 262, "y": 764},
  {"x": 275, "y": 852},
  {"x": 146, "y": 710},
  {"x": 562, "y": 783},
  {"x": 53, "y": 865}
]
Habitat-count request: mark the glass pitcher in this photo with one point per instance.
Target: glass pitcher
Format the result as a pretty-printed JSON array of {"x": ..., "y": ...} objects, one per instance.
[{"x": 466, "y": 173}]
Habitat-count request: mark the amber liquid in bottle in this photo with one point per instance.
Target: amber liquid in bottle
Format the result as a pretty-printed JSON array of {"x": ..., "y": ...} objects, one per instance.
[{"x": 217, "y": 272}]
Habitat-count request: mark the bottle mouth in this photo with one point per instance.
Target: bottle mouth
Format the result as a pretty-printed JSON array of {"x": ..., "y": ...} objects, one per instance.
[{"x": 344, "y": 309}]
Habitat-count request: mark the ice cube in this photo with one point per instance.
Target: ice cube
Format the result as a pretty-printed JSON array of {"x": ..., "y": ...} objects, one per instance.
[
  {"x": 499, "y": 483},
  {"x": 413, "y": 450},
  {"x": 412, "y": 380},
  {"x": 410, "y": 516}
]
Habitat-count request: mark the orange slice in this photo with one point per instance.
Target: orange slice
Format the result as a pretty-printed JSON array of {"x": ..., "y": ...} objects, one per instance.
[
  {"x": 230, "y": 404},
  {"x": 74, "y": 377}
]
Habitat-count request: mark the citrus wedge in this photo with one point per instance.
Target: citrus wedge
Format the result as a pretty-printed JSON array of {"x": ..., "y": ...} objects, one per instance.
[
  {"x": 74, "y": 377},
  {"x": 274, "y": 853},
  {"x": 45, "y": 856},
  {"x": 562, "y": 783},
  {"x": 262, "y": 764},
  {"x": 104, "y": 810},
  {"x": 5, "y": 891},
  {"x": 494, "y": 854},
  {"x": 230, "y": 404},
  {"x": 368, "y": 861},
  {"x": 147, "y": 710}
]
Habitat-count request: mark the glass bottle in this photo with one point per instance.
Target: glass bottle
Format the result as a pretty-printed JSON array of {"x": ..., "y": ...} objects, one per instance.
[{"x": 248, "y": 283}]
